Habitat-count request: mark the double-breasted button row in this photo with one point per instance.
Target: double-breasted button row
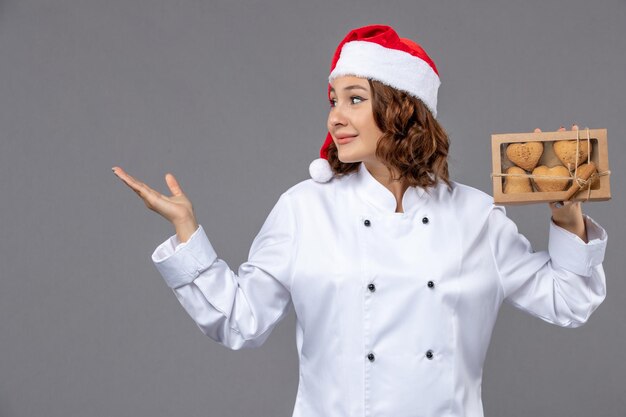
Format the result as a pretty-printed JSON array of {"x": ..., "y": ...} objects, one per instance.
[{"x": 372, "y": 288}]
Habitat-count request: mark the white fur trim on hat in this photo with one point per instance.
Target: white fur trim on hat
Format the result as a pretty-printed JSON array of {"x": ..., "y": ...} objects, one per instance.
[
  {"x": 320, "y": 170},
  {"x": 393, "y": 67}
]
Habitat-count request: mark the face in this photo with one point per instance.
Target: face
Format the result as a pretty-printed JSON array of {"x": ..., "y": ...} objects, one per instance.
[{"x": 351, "y": 120}]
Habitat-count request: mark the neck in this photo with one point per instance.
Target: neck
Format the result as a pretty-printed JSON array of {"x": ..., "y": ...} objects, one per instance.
[{"x": 397, "y": 187}]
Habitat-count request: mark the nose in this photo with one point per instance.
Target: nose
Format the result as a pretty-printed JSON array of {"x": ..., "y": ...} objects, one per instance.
[{"x": 336, "y": 117}]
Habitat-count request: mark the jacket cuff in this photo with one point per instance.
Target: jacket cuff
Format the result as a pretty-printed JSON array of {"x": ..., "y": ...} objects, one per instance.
[
  {"x": 180, "y": 263},
  {"x": 570, "y": 252}
]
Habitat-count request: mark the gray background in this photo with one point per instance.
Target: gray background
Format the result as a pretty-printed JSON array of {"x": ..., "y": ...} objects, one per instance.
[{"x": 230, "y": 96}]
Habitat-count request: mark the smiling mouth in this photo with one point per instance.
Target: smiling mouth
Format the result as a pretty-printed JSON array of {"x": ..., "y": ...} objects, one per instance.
[{"x": 346, "y": 139}]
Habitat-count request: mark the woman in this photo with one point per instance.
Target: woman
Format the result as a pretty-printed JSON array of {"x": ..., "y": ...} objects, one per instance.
[{"x": 396, "y": 273}]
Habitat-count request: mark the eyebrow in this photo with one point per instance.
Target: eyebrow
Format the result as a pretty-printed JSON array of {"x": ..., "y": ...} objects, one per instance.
[{"x": 351, "y": 87}]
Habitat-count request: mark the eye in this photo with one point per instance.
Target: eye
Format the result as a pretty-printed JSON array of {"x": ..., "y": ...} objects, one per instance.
[
  {"x": 356, "y": 97},
  {"x": 333, "y": 102}
]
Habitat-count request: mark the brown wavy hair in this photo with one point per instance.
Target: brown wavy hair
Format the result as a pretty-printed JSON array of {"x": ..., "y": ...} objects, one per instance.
[{"x": 413, "y": 142}]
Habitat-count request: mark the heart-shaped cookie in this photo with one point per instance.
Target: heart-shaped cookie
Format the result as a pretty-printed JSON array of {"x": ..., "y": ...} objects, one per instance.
[
  {"x": 517, "y": 184},
  {"x": 565, "y": 150},
  {"x": 551, "y": 184},
  {"x": 525, "y": 155}
]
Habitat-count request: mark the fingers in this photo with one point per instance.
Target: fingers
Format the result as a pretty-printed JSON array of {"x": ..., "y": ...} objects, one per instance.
[
  {"x": 172, "y": 208},
  {"x": 137, "y": 186},
  {"x": 557, "y": 206},
  {"x": 128, "y": 179},
  {"x": 561, "y": 129},
  {"x": 143, "y": 190},
  {"x": 173, "y": 184},
  {"x": 562, "y": 204}
]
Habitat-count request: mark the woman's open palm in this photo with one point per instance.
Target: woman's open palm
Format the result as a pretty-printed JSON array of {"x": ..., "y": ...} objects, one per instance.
[{"x": 176, "y": 208}]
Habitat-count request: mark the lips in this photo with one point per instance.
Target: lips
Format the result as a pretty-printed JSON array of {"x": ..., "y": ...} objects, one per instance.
[{"x": 345, "y": 139}]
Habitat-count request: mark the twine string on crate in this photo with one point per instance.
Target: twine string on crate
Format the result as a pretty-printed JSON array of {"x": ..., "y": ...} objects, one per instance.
[{"x": 578, "y": 182}]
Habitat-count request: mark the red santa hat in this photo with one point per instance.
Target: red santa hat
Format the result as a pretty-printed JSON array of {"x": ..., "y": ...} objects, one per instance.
[{"x": 378, "y": 53}]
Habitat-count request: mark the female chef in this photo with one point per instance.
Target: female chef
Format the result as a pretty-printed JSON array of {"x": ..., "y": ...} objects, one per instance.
[{"x": 396, "y": 274}]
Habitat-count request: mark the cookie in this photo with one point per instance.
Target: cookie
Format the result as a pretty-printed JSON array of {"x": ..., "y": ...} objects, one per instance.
[
  {"x": 550, "y": 184},
  {"x": 565, "y": 150},
  {"x": 525, "y": 155},
  {"x": 517, "y": 184}
]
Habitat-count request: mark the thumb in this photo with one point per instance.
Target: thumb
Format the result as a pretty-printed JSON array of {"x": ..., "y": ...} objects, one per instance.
[{"x": 173, "y": 184}]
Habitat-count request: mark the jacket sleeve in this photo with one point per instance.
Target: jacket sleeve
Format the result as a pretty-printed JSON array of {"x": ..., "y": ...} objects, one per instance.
[
  {"x": 563, "y": 285},
  {"x": 238, "y": 310}
]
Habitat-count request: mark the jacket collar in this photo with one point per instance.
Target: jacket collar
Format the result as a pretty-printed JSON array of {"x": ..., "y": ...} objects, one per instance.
[{"x": 380, "y": 196}]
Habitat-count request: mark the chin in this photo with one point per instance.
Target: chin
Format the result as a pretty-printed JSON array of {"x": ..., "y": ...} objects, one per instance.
[{"x": 347, "y": 159}]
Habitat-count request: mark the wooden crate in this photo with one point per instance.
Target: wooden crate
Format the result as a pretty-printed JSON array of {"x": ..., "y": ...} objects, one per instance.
[{"x": 600, "y": 190}]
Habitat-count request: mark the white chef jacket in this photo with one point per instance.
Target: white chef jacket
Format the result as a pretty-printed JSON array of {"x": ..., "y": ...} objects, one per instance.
[{"x": 394, "y": 310}]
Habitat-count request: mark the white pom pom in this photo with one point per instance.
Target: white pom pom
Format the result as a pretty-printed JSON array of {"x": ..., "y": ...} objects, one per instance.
[{"x": 320, "y": 170}]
